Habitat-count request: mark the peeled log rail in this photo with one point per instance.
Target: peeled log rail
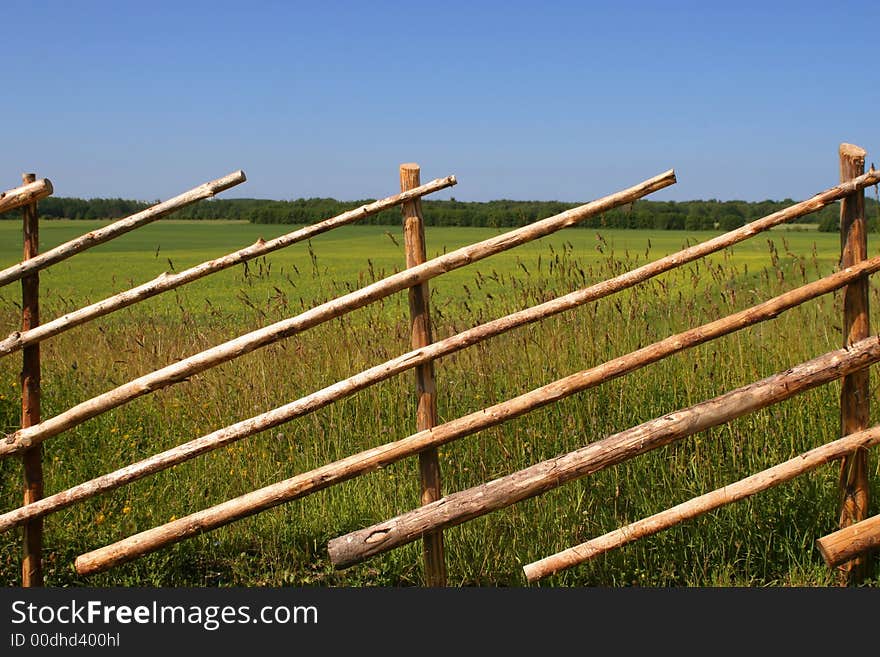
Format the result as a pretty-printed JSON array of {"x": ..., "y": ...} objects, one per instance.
[
  {"x": 249, "y": 342},
  {"x": 358, "y": 464},
  {"x": 25, "y": 195},
  {"x": 544, "y": 476},
  {"x": 317, "y": 400},
  {"x": 95, "y": 237},
  {"x": 845, "y": 544},
  {"x": 703, "y": 504},
  {"x": 167, "y": 281}
]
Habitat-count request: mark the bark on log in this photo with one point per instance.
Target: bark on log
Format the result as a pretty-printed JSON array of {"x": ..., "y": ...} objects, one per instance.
[
  {"x": 317, "y": 400},
  {"x": 847, "y": 543},
  {"x": 32, "y": 459},
  {"x": 183, "y": 369},
  {"x": 544, "y": 476},
  {"x": 28, "y": 193},
  {"x": 117, "y": 228},
  {"x": 168, "y": 281},
  {"x": 698, "y": 506},
  {"x": 375, "y": 458},
  {"x": 855, "y": 388},
  {"x": 426, "y": 394}
]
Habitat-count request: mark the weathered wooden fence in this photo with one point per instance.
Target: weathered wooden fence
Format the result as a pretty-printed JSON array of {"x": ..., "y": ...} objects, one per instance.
[{"x": 437, "y": 512}]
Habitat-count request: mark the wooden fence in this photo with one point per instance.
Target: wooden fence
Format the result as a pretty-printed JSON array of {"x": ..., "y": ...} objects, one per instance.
[{"x": 435, "y": 511}]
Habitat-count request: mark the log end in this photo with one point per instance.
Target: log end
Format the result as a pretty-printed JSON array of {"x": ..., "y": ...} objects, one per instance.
[
  {"x": 533, "y": 573},
  {"x": 410, "y": 166},
  {"x": 82, "y": 565},
  {"x": 823, "y": 550},
  {"x": 852, "y": 151},
  {"x": 224, "y": 183}
]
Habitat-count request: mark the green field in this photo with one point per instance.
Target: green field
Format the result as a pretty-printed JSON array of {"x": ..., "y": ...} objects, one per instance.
[{"x": 766, "y": 540}]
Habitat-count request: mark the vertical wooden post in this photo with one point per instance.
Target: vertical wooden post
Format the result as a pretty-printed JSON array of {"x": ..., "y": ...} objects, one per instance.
[
  {"x": 426, "y": 413},
  {"x": 32, "y": 565},
  {"x": 855, "y": 393}
]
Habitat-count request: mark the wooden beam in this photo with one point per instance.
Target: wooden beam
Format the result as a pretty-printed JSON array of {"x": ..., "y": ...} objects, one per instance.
[
  {"x": 32, "y": 459},
  {"x": 698, "y": 506},
  {"x": 544, "y": 476},
  {"x": 367, "y": 461},
  {"x": 855, "y": 392},
  {"x": 29, "y": 193},
  {"x": 426, "y": 394},
  {"x": 183, "y": 369},
  {"x": 846, "y": 544},
  {"x": 346, "y": 387},
  {"x": 118, "y": 228},
  {"x": 166, "y": 281}
]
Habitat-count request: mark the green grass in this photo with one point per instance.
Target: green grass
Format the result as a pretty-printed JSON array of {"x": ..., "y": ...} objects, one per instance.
[{"x": 767, "y": 540}]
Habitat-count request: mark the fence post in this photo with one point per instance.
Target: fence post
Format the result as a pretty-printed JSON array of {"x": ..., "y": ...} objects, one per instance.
[
  {"x": 855, "y": 393},
  {"x": 32, "y": 566},
  {"x": 426, "y": 413}
]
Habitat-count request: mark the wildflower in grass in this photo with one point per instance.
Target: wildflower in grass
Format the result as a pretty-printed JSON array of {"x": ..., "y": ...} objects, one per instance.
[
  {"x": 100, "y": 519},
  {"x": 127, "y": 508},
  {"x": 172, "y": 518}
]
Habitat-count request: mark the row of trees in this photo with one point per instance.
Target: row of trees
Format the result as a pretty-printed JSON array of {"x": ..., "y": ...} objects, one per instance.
[{"x": 664, "y": 215}]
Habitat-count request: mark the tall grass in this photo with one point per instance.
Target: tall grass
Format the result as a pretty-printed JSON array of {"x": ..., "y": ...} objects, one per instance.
[{"x": 767, "y": 540}]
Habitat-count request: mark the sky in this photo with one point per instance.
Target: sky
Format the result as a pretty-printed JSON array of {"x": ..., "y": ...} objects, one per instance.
[{"x": 519, "y": 100}]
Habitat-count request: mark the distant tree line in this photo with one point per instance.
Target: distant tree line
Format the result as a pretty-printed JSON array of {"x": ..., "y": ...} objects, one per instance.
[{"x": 657, "y": 215}]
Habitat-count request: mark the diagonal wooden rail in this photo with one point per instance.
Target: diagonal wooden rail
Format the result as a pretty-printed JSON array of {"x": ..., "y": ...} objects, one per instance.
[
  {"x": 183, "y": 369},
  {"x": 703, "y": 504},
  {"x": 166, "y": 281},
  {"x": 120, "y": 227}
]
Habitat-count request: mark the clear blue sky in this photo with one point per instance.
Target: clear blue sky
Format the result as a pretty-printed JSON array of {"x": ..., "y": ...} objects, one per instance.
[{"x": 522, "y": 100}]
